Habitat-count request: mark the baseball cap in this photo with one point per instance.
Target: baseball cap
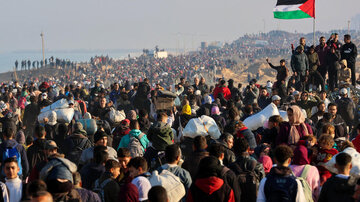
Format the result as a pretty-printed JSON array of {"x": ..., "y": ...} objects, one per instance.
[
  {"x": 296, "y": 93},
  {"x": 50, "y": 144}
]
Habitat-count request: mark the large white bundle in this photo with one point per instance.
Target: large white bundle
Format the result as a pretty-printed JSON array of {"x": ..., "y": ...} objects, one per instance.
[
  {"x": 172, "y": 184},
  {"x": 257, "y": 120},
  {"x": 355, "y": 161},
  {"x": 43, "y": 115},
  {"x": 284, "y": 115},
  {"x": 203, "y": 126},
  {"x": 63, "y": 115},
  {"x": 60, "y": 104},
  {"x": 116, "y": 116}
]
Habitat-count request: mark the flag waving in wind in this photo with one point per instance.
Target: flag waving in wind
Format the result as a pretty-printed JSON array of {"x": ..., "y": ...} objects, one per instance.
[{"x": 294, "y": 9}]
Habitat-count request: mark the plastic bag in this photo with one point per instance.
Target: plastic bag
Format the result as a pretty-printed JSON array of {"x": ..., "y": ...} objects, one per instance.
[
  {"x": 258, "y": 120},
  {"x": 203, "y": 126}
]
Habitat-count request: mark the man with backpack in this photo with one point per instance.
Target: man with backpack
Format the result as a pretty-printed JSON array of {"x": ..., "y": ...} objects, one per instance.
[
  {"x": 136, "y": 141},
  {"x": 173, "y": 157},
  {"x": 208, "y": 185},
  {"x": 36, "y": 152},
  {"x": 106, "y": 186},
  {"x": 94, "y": 169},
  {"x": 280, "y": 184},
  {"x": 10, "y": 148},
  {"x": 192, "y": 161},
  {"x": 218, "y": 150},
  {"x": 100, "y": 139},
  {"x": 248, "y": 171},
  {"x": 76, "y": 143}
]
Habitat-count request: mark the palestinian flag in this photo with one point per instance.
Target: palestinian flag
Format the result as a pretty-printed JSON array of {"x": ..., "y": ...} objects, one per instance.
[{"x": 294, "y": 9}]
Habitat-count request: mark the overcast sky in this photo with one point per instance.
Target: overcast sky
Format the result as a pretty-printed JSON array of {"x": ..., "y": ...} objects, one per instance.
[{"x": 135, "y": 24}]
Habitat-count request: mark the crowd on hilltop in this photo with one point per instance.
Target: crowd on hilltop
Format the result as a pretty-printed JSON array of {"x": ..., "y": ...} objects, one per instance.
[{"x": 295, "y": 139}]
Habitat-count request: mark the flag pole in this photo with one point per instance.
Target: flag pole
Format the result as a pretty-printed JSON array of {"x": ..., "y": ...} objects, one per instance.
[{"x": 314, "y": 22}]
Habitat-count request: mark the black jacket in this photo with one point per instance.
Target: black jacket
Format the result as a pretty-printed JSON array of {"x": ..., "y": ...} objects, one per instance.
[
  {"x": 349, "y": 53},
  {"x": 347, "y": 110},
  {"x": 111, "y": 189},
  {"x": 36, "y": 152},
  {"x": 338, "y": 189},
  {"x": 282, "y": 72}
]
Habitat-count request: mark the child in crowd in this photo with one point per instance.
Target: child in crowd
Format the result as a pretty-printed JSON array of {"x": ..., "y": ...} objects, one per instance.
[{"x": 324, "y": 154}]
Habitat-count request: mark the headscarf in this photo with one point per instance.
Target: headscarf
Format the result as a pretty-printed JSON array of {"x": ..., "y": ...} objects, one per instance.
[
  {"x": 267, "y": 163},
  {"x": 132, "y": 115},
  {"x": 186, "y": 110},
  {"x": 87, "y": 115},
  {"x": 301, "y": 156},
  {"x": 215, "y": 110},
  {"x": 299, "y": 119}
]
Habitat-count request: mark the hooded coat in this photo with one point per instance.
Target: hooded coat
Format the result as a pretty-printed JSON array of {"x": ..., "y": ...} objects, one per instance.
[{"x": 160, "y": 135}]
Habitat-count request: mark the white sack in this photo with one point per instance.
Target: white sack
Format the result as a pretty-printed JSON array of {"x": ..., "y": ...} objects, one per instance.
[
  {"x": 355, "y": 161},
  {"x": 258, "y": 120},
  {"x": 196, "y": 127},
  {"x": 60, "y": 104}
]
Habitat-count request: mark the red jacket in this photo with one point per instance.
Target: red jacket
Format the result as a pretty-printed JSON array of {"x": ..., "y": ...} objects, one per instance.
[
  {"x": 224, "y": 90},
  {"x": 356, "y": 143},
  {"x": 208, "y": 187}
]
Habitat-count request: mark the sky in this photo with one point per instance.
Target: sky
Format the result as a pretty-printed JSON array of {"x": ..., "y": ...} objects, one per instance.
[{"x": 137, "y": 24}]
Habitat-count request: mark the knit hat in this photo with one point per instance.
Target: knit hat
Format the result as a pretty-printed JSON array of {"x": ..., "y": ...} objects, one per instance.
[
  {"x": 186, "y": 109},
  {"x": 99, "y": 135},
  {"x": 215, "y": 110}
]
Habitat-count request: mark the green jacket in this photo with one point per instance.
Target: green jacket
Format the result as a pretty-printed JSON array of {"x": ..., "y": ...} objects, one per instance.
[
  {"x": 160, "y": 135},
  {"x": 307, "y": 105}
]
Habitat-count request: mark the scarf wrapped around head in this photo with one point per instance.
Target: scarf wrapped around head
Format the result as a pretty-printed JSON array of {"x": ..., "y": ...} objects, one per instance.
[
  {"x": 301, "y": 155},
  {"x": 299, "y": 119}
]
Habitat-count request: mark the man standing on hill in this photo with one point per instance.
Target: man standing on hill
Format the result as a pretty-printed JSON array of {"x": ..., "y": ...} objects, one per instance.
[
  {"x": 349, "y": 53},
  {"x": 300, "y": 67}
]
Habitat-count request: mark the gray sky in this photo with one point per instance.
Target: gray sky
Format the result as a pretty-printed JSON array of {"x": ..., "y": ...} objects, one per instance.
[{"x": 135, "y": 24}]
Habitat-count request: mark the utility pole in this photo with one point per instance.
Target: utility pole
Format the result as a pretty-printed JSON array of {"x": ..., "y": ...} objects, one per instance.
[
  {"x": 348, "y": 26},
  {"x": 264, "y": 25},
  {"x": 43, "y": 47}
]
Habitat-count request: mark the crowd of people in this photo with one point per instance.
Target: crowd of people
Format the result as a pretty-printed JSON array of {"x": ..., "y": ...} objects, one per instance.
[{"x": 126, "y": 141}]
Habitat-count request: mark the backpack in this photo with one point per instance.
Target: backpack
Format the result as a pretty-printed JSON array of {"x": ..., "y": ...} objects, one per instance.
[
  {"x": 135, "y": 146},
  {"x": 305, "y": 185},
  {"x": 173, "y": 185},
  {"x": 280, "y": 188},
  {"x": 99, "y": 188},
  {"x": 13, "y": 152},
  {"x": 75, "y": 154},
  {"x": 247, "y": 179}
]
